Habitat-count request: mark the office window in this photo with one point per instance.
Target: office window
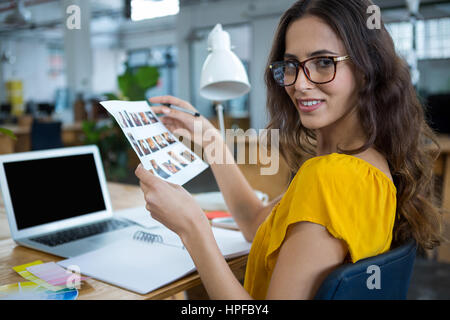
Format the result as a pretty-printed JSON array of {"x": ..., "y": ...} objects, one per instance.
[
  {"x": 402, "y": 34},
  {"x": 432, "y": 38},
  {"x": 56, "y": 61},
  {"x": 137, "y": 58}
]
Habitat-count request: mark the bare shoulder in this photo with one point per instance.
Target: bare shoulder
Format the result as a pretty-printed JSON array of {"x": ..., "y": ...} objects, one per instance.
[
  {"x": 308, "y": 247},
  {"x": 376, "y": 159}
]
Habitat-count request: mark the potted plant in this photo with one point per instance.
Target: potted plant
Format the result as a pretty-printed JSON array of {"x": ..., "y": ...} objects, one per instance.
[
  {"x": 8, "y": 133},
  {"x": 135, "y": 82},
  {"x": 112, "y": 144}
]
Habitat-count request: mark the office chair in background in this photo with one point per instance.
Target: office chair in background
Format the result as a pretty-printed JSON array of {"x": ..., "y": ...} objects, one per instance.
[
  {"x": 350, "y": 281},
  {"x": 46, "y": 135}
]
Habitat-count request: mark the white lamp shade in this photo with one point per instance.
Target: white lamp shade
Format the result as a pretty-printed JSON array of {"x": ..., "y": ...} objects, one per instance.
[
  {"x": 223, "y": 74},
  {"x": 413, "y": 6}
]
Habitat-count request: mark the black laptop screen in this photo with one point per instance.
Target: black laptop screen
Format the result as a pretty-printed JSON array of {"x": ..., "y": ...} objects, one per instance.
[{"x": 52, "y": 189}]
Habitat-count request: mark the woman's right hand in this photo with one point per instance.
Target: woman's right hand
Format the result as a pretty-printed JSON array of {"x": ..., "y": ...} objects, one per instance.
[{"x": 181, "y": 123}]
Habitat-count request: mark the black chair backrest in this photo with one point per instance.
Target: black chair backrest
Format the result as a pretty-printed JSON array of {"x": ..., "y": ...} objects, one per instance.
[
  {"x": 383, "y": 277},
  {"x": 46, "y": 135}
]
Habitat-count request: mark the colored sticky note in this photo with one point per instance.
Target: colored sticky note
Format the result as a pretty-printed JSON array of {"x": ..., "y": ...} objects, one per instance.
[
  {"x": 53, "y": 274},
  {"x": 33, "y": 291},
  {"x": 217, "y": 214},
  {"x": 22, "y": 286},
  {"x": 21, "y": 270}
]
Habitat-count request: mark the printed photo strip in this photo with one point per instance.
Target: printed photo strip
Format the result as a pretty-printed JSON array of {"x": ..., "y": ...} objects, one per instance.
[{"x": 158, "y": 150}]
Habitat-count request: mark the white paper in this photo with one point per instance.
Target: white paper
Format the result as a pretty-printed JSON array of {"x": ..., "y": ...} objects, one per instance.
[
  {"x": 156, "y": 147},
  {"x": 139, "y": 215},
  {"x": 231, "y": 243},
  {"x": 145, "y": 266},
  {"x": 134, "y": 265}
]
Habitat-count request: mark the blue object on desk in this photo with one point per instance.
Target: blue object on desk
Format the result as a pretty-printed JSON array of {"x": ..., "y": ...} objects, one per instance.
[
  {"x": 46, "y": 135},
  {"x": 350, "y": 281}
]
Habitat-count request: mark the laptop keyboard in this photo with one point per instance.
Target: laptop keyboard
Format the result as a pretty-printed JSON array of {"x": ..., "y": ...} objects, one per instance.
[{"x": 68, "y": 235}]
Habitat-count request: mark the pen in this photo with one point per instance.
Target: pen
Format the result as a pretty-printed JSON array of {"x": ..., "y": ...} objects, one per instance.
[
  {"x": 195, "y": 114},
  {"x": 168, "y": 105}
]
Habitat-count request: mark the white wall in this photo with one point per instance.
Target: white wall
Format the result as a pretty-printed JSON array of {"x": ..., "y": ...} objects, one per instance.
[
  {"x": 148, "y": 33},
  {"x": 32, "y": 57},
  {"x": 435, "y": 76},
  {"x": 106, "y": 68},
  {"x": 264, "y": 30},
  {"x": 32, "y": 68}
]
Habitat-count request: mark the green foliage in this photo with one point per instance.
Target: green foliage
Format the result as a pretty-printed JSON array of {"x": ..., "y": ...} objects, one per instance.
[
  {"x": 9, "y": 133},
  {"x": 113, "y": 147},
  {"x": 134, "y": 83},
  {"x": 111, "y": 96}
]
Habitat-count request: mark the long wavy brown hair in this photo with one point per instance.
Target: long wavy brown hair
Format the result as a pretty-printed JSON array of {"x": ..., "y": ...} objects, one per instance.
[{"x": 388, "y": 109}]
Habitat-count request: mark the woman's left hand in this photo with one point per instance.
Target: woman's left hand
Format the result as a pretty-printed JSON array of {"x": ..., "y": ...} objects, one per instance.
[{"x": 170, "y": 204}]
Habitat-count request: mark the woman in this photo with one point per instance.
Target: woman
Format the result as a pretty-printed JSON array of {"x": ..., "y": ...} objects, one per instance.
[{"x": 337, "y": 90}]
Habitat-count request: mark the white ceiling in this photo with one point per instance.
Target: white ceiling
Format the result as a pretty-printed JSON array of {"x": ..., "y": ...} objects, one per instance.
[{"x": 107, "y": 4}]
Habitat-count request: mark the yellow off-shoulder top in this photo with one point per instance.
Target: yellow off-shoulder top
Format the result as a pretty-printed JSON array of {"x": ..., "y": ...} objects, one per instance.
[{"x": 353, "y": 199}]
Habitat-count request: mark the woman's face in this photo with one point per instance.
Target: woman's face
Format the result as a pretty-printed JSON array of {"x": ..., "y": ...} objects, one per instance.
[{"x": 304, "y": 39}]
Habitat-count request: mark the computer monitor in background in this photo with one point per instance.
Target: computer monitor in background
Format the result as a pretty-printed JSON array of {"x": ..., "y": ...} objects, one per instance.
[
  {"x": 438, "y": 113},
  {"x": 5, "y": 112},
  {"x": 46, "y": 108},
  {"x": 5, "y": 108}
]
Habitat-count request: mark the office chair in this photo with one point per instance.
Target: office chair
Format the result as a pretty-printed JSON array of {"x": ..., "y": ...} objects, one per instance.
[
  {"x": 351, "y": 281},
  {"x": 46, "y": 135}
]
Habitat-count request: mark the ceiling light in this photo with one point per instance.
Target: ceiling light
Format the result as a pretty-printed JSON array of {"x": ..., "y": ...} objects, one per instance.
[
  {"x": 149, "y": 9},
  {"x": 413, "y": 6},
  {"x": 19, "y": 16}
]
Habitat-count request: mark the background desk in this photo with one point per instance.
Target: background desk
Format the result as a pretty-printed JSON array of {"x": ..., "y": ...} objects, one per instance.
[
  {"x": 122, "y": 197},
  {"x": 442, "y": 168},
  {"x": 70, "y": 135}
]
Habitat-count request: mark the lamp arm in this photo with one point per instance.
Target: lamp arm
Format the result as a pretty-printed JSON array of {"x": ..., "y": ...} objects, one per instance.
[{"x": 219, "y": 110}]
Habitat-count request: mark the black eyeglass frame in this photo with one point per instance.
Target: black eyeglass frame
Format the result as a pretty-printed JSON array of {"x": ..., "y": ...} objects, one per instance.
[{"x": 299, "y": 64}]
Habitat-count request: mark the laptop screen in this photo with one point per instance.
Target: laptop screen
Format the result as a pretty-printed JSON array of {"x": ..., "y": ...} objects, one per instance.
[{"x": 53, "y": 189}]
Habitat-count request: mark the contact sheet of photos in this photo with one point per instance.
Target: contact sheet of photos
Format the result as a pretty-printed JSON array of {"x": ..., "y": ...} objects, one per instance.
[{"x": 159, "y": 151}]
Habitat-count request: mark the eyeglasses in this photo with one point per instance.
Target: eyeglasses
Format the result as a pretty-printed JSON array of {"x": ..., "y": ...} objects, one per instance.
[{"x": 318, "y": 70}]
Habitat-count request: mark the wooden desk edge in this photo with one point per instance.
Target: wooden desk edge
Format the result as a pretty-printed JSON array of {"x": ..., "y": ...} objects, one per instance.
[{"x": 189, "y": 281}]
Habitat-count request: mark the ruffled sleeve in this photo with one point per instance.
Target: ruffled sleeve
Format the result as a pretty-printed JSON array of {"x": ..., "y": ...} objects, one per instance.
[{"x": 352, "y": 199}]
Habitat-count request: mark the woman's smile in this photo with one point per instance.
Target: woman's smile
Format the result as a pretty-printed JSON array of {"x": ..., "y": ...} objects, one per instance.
[{"x": 309, "y": 105}]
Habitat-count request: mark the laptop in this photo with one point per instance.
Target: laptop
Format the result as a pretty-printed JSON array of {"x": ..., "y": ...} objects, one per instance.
[{"x": 57, "y": 201}]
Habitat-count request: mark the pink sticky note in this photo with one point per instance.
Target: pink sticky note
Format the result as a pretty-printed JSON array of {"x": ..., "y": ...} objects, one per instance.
[{"x": 52, "y": 273}]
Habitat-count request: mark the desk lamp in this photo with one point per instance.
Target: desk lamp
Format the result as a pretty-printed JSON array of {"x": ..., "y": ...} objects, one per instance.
[
  {"x": 223, "y": 75},
  {"x": 414, "y": 15}
]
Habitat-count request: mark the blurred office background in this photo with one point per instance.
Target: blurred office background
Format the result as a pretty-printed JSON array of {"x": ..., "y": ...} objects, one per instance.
[{"x": 53, "y": 72}]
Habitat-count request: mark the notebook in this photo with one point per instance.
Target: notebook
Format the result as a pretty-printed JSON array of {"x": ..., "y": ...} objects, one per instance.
[
  {"x": 150, "y": 259},
  {"x": 225, "y": 222}
]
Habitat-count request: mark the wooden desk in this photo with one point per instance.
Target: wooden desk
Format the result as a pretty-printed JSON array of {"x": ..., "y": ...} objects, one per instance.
[
  {"x": 444, "y": 170},
  {"x": 122, "y": 197}
]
